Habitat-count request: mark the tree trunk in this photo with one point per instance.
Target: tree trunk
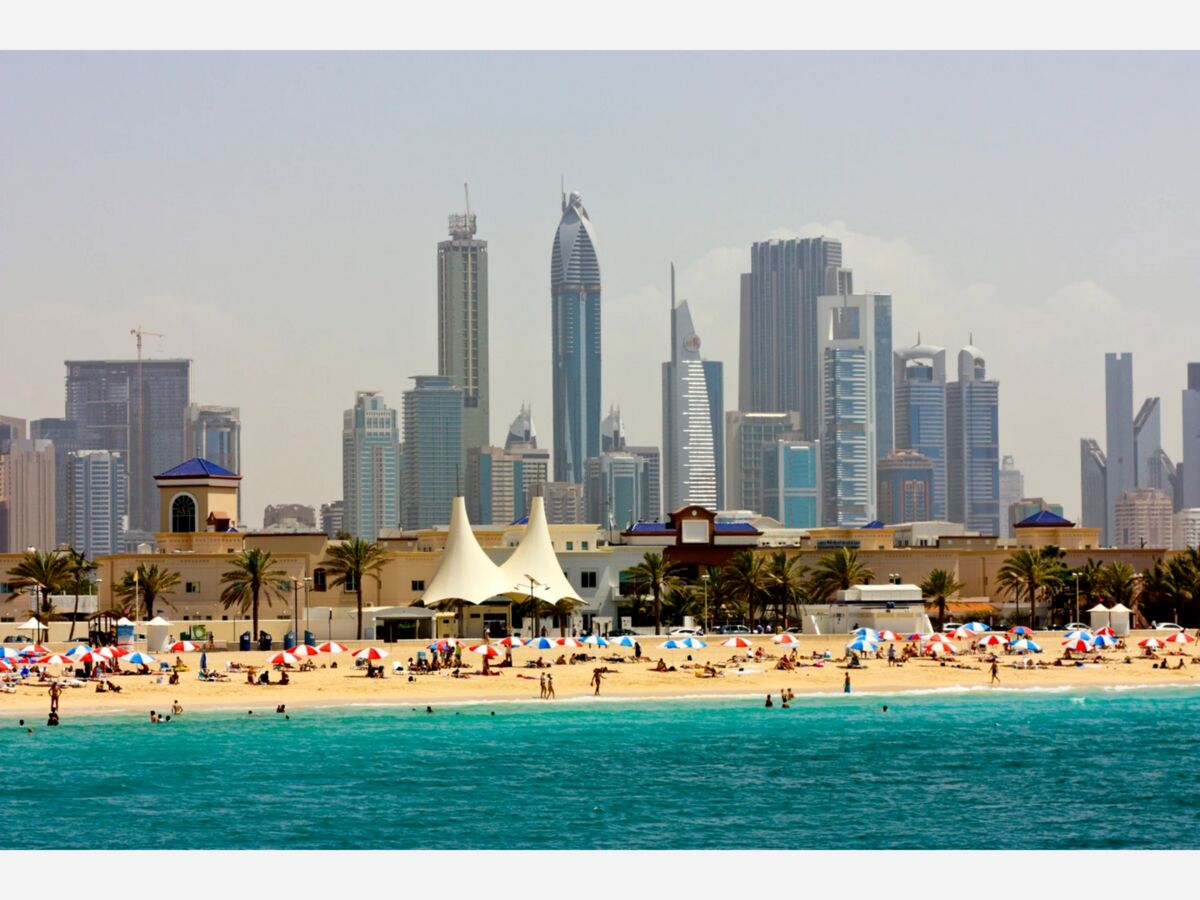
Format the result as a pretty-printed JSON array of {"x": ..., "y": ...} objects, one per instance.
[
  {"x": 254, "y": 612},
  {"x": 358, "y": 593},
  {"x": 941, "y": 612},
  {"x": 657, "y": 612},
  {"x": 71, "y": 636}
]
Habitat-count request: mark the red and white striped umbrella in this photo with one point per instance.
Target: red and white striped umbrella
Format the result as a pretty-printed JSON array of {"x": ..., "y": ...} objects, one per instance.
[
  {"x": 888, "y": 636},
  {"x": 990, "y": 640},
  {"x": 302, "y": 650},
  {"x": 92, "y": 656},
  {"x": 112, "y": 652},
  {"x": 370, "y": 653},
  {"x": 1107, "y": 630},
  {"x": 738, "y": 643},
  {"x": 183, "y": 647},
  {"x": 332, "y": 647},
  {"x": 283, "y": 657},
  {"x": 488, "y": 651},
  {"x": 33, "y": 650},
  {"x": 511, "y": 641},
  {"x": 1180, "y": 637},
  {"x": 1078, "y": 645},
  {"x": 939, "y": 646},
  {"x": 1151, "y": 643},
  {"x": 55, "y": 659},
  {"x": 786, "y": 639},
  {"x": 569, "y": 642},
  {"x": 5, "y": 665}
]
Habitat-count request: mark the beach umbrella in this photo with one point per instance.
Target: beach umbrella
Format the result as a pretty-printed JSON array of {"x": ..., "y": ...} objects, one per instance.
[
  {"x": 1151, "y": 643},
  {"x": 1024, "y": 644},
  {"x": 693, "y": 643},
  {"x": 1107, "y": 631},
  {"x": 331, "y": 647},
  {"x": 568, "y": 642},
  {"x": 738, "y": 643},
  {"x": 5, "y": 665},
  {"x": 1021, "y": 631},
  {"x": 1102, "y": 641},
  {"x": 625, "y": 640},
  {"x": 55, "y": 659},
  {"x": 1180, "y": 637},
  {"x": 671, "y": 645},
  {"x": 888, "y": 636},
  {"x": 92, "y": 656},
  {"x": 1077, "y": 635},
  {"x": 302, "y": 650},
  {"x": 594, "y": 640},
  {"x": 370, "y": 653},
  {"x": 203, "y": 661},
  {"x": 937, "y": 646},
  {"x": 488, "y": 651},
  {"x": 867, "y": 633},
  {"x": 785, "y": 639},
  {"x": 34, "y": 650},
  {"x": 977, "y": 627},
  {"x": 512, "y": 641},
  {"x": 863, "y": 645},
  {"x": 183, "y": 647},
  {"x": 283, "y": 657},
  {"x": 1078, "y": 645},
  {"x": 541, "y": 643},
  {"x": 78, "y": 650},
  {"x": 8, "y": 652},
  {"x": 139, "y": 658},
  {"x": 990, "y": 640},
  {"x": 112, "y": 652}
]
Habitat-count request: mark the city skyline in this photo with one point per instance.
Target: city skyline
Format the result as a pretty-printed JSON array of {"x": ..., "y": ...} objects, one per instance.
[{"x": 222, "y": 293}]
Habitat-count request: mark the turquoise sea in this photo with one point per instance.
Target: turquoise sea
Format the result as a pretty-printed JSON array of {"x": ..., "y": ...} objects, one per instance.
[{"x": 1027, "y": 769}]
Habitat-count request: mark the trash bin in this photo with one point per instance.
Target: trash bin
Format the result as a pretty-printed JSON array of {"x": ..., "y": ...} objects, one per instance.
[
  {"x": 289, "y": 640},
  {"x": 310, "y": 639},
  {"x": 244, "y": 642},
  {"x": 264, "y": 641}
]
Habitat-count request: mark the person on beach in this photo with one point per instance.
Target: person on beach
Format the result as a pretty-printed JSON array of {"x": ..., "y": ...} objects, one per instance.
[
  {"x": 637, "y": 650},
  {"x": 549, "y": 686},
  {"x": 542, "y": 686},
  {"x": 597, "y": 677},
  {"x": 846, "y": 684},
  {"x": 995, "y": 672},
  {"x": 55, "y": 693},
  {"x": 176, "y": 708},
  {"x": 891, "y": 655}
]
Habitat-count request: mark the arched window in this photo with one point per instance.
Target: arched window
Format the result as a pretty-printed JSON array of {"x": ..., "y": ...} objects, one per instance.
[{"x": 183, "y": 514}]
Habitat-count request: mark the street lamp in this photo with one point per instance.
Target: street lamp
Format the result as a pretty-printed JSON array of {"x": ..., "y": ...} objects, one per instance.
[
  {"x": 1076, "y": 596},
  {"x": 704, "y": 578}
]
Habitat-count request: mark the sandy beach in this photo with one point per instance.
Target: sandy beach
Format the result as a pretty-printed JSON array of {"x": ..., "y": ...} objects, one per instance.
[{"x": 347, "y": 685}]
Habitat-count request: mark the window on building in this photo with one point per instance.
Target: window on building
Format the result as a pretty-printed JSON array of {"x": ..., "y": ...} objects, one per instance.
[
  {"x": 583, "y": 545},
  {"x": 570, "y": 545},
  {"x": 318, "y": 579},
  {"x": 587, "y": 578},
  {"x": 418, "y": 584},
  {"x": 183, "y": 514},
  {"x": 351, "y": 585},
  {"x": 5, "y": 587},
  {"x": 192, "y": 587}
]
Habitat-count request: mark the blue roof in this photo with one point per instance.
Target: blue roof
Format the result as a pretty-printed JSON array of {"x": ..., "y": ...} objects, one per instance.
[
  {"x": 874, "y": 523},
  {"x": 1045, "y": 518},
  {"x": 651, "y": 528},
  {"x": 524, "y": 520},
  {"x": 741, "y": 527},
  {"x": 198, "y": 468}
]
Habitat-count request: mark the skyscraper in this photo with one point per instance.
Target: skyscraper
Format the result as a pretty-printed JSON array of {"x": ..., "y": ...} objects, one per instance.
[
  {"x": 370, "y": 467},
  {"x": 521, "y": 432},
  {"x": 1121, "y": 470},
  {"x": 463, "y": 324},
  {"x": 652, "y": 491},
  {"x": 67, "y": 436},
  {"x": 791, "y": 482},
  {"x": 614, "y": 491},
  {"x": 1012, "y": 489},
  {"x": 747, "y": 433},
  {"x": 855, "y": 386},
  {"x": 434, "y": 469},
  {"x": 1147, "y": 444},
  {"x": 501, "y": 483},
  {"x": 689, "y": 455},
  {"x": 29, "y": 477},
  {"x": 919, "y": 373},
  {"x": 786, "y": 279},
  {"x": 1093, "y": 487},
  {"x": 96, "y": 501},
  {"x": 612, "y": 431},
  {"x": 215, "y": 433},
  {"x": 973, "y": 445},
  {"x": 905, "y": 488},
  {"x": 146, "y": 426},
  {"x": 575, "y": 321},
  {"x": 1191, "y": 439},
  {"x": 1143, "y": 517}
]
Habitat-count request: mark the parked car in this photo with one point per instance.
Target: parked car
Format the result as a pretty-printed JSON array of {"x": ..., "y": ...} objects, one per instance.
[
  {"x": 1168, "y": 626},
  {"x": 950, "y": 626},
  {"x": 733, "y": 629},
  {"x": 686, "y": 632},
  {"x": 1078, "y": 626},
  {"x": 795, "y": 629},
  {"x": 623, "y": 632}
]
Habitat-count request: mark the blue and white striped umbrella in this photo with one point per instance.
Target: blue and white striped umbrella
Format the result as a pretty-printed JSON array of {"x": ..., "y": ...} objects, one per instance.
[
  {"x": 1077, "y": 635},
  {"x": 78, "y": 650},
  {"x": 138, "y": 658},
  {"x": 863, "y": 645},
  {"x": 625, "y": 640},
  {"x": 8, "y": 652},
  {"x": 1102, "y": 641},
  {"x": 541, "y": 643},
  {"x": 595, "y": 640},
  {"x": 977, "y": 627},
  {"x": 1024, "y": 644},
  {"x": 869, "y": 633},
  {"x": 672, "y": 644},
  {"x": 692, "y": 643}
]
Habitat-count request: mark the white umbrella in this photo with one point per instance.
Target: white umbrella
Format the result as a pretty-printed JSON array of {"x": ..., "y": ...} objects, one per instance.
[
  {"x": 32, "y": 625},
  {"x": 738, "y": 643}
]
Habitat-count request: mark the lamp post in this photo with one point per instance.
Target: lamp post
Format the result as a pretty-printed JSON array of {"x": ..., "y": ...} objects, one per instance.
[
  {"x": 296, "y": 609},
  {"x": 704, "y": 578},
  {"x": 1076, "y": 596}
]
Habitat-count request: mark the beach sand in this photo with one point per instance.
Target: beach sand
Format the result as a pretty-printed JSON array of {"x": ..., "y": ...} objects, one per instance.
[{"x": 346, "y": 685}]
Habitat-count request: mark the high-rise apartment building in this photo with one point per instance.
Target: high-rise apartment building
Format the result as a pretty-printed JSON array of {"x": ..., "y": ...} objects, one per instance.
[
  {"x": 370, "y": 467},
  {"x": 1190, "y": 479},
  {"x": 1143, "y": 517},
  {"x": 68, "y": 436},
  {"x": 791, "y": 482},
  {"x": 1121, "y": 471},
  {"x": 856, "y": 389},
  {"x": 614, "y": 490},
  {"x": 30, "y": 494},
  {"x": 434, "y": 463},
  {"x": 463, "y": 324},
  {"x": 1012, "y": 489},
  {"x": 332, "y": 518},
  {"x": 136, "y": 408},
  {"x": 564, "y": 502},
  {"x": 919, "y": 374},
  {"x": 689, "y": 445},
  {"x": 973, "y": 445},
  {"x": 780, "y": 339},
  {"x": 215, "y": 433},
  {"x": 501, "y": 484},
  {"x": 96, "y": 504},
  {"x": 746, "y": 433},
  {"x": 652, "y": 489},
  {"x": 1186, "y": 532},
  {"x": 575, "y": 336},
  {"x": 1093, "y": 486},
  {"x": 905, "y": 488}
]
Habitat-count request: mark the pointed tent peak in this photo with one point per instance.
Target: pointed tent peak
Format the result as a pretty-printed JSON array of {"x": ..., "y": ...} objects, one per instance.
[
  {"x": 465, "y": 572},
  {"x": 1044, "y": 519},
  {"x": 535, "y": 558},
  {"x": 158, "y": 620},
  {"x": 1119, "y": 607},
  {"x": 1099, "y": 607},
  {"x": 198, "y": 467}
]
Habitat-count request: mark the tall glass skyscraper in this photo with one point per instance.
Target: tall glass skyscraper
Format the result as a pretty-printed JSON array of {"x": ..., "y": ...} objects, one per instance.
[
  {"x": 689, "y": 445},
  {"x": 1190, "y": 476},
  {"x": 463, "y": 324},
  {"x": 575, "y": 320},
  {"x": 919, "y": 373},
  {"x": 96, "y": 501},
  {"x": 1121, "y": 472},
  {"x": 791, "y": 482},
  {"x": 370, "y": 467},
  {"x": 434, "y": 463},
  {"x": 973, "y": 445}
]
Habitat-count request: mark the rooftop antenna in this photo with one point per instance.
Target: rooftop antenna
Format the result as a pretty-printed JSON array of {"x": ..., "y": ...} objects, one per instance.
[
  {"x": 562, "y": 187},
  {"x": 674, "y": 352},
  {"x": 467, "y": 192},
  {"x": 138, "y": 481}
]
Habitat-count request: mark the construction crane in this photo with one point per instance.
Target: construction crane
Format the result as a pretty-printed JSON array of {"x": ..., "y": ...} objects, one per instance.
[{"x": 137, "y": 481}]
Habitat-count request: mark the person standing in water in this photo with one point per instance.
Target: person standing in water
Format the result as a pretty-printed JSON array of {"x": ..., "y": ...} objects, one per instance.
[{"x": 846, "y": 684}]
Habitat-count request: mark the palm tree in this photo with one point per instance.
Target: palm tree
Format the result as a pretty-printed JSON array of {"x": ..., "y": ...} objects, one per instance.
[
  {"x": 937, "y": 586},
  {"x": 785, "y": 575},
  {"x": 151, "y": 585},
  {"x": 837, "y": 571},
  {"x": 80, "y": 568},
  {"x": 252, "y": 574},
  {"x": 748, "y": 580},
  {"x": 45, "y": 571},
  {"x": 1025, "y": 570},
  {"x": 655, "y": 575},
  {"x": 350, "y": 562}
]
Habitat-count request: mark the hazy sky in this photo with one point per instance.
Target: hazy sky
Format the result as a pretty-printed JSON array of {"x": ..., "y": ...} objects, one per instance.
[{"x": 276, "y": 216}]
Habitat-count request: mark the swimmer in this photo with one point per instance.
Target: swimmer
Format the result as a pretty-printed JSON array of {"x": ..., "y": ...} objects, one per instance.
[{"x": 429, "y": 709}]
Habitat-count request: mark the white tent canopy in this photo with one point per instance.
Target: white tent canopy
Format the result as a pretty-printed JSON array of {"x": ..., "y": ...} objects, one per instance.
[
  {"x": 535, "y": 557},
  {"x": 32, "y": 625},
  {"x": 465, "y": 571}
]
